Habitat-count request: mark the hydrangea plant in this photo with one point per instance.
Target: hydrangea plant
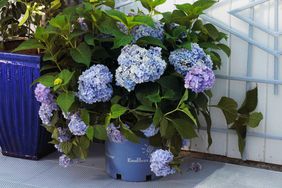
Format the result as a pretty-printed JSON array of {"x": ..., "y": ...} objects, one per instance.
[{"x": 126, "y": 77}]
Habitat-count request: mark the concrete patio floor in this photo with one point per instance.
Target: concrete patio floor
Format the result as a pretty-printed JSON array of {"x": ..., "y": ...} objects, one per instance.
[{"x": 19, "y": 173}]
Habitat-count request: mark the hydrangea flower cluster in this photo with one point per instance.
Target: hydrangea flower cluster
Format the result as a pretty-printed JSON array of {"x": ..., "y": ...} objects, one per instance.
[
  {"x": 151, "y": 131},
  {"x": 45, "y": 97},
  {"x": 160, "y": 162},
  {"x": 183, "y": 59},
  {"x": 77, "y": 126},
  {"x": 63, "y": 137},
  {"x": 199, "y": 78},
  {"x": 114, "y": 134},
  {"x": 141, "y": 31},
  {"x": 94, "y": 85},
  {"x": 139, "y": 65},
  {"x": 147, "y": 31},
  {"x": 65, "y": 161},
  {"x": 43, "y": 94},
  {"x": 46, "y": 112}
]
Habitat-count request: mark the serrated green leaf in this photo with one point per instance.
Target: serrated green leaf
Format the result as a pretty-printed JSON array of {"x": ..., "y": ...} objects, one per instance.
[
  {"x": 185, "y": 128},
  {"x": 117, "y": 111},
  {"x": 47, "y": 80},
  {"x": 66, "y": 147},
  {"x": 129, "y": 135},
  {"x": 81, "y": 54},
  {"x": 90, "y": 132},
  {"x": 29, "y": 44},
  {"x": 65, "y": 100}
]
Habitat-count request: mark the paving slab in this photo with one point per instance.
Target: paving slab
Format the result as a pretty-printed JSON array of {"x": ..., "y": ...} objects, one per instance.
[{"x": 19, "y": 173}]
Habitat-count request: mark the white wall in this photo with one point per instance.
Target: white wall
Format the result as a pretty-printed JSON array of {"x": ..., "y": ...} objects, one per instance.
[{"x": 263, "y": 143}]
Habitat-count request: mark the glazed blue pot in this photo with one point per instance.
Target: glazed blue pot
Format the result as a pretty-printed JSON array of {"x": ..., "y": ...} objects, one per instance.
[
  {"x": 129, "y": 161},
  {"x": 21, "y": 134}
]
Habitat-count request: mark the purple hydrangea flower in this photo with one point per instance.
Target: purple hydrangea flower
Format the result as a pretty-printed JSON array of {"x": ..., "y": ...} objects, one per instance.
[
  {"x": 114, "y": 134},
  {"x": 184, "y": 59},
  {"x": 160, "y": 162},
  {"x": 151, "y": 131},
  {"x": 196, "y": 167},
  {"x": 46, "y": 112},
  {"x": 147, "y": 31},
  {"x": 43, "y": 94},
  {"x": 199, "y": 78},
  {"x": 139, "y": 65},
  {"x": 94, "y": 85},
  {"x": 77, "y": 126},
  {"x": 65, "y": 161}
]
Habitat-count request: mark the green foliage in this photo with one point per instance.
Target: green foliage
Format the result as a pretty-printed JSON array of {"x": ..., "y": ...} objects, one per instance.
[
  {"x": 65, "y": 101},
  {"x": 243, "y": 117}
]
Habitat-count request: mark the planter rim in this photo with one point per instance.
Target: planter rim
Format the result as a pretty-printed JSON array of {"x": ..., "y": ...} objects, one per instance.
[{"x": 20, "y": 59}]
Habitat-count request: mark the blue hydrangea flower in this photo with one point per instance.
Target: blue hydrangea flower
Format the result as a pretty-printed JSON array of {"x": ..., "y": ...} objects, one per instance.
[
  {"x": 43, "y": 94},
  {"x": 151, "y": 131},
  {"x": 183, "y": 59},
  {"x": 64, "y": 136},
  {"x": 94, "y": 85},
  {"x": 199, "y": 78},
  {"x": 147, "y": 31},
  {"x": 144, "y": 31},
  {"x": 160, "y": 162},
  {"x": 77, "y": 126},
  {"x": 65, "y": 161},
  {"x": 46, "y": 112},
  {"x": 114, "y": 134},
  {"x": 139, "y": 65}
]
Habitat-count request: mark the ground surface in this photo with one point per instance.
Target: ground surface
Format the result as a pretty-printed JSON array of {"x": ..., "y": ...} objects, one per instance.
[{"x": 19, "y": 173}]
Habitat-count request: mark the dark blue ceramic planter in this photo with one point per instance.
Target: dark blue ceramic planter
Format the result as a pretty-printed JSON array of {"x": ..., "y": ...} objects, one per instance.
[
  {"x": 129, "y": 161},
  {"x": 21, "y": 134}
]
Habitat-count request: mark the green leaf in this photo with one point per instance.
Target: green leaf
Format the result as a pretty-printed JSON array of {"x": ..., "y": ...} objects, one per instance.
[
  {"x": 207, "y": 117},
  {"x": 185, "y": 110},
  {"x": 65, "y": 101},
  {"x": 140, "y": 20},
  {"x": 198, "y": 25},
  {"x": 250, "y": 103},
  {"x": 66, "y": 76},
  {"x": 254, "y": 119},
  {"x": 225, "y": 49},
  {"x": 100, "y": 132},
  {"x": 29, "y": 44},
  {"x": 212, "y": 31},
  {"x": 157, "y": 117},
  {"x": 25, "y": 17},
  {"x": 47, "y": 80},
  {"x": 117, "y": 111},
  {"x": 81, "y": 54},
  {"x": 150, "y": 41},
  {"x": 122, "y": 40},
  {"x": 66, "y": 147},
  {"x": 117, "y": 15},
  {"x": 3, "y": 3},
  {"x": 129, "y": 135},
  {"x": 145, "y": 108},
  {"x": 229, "y": 109},
  {"x": 60, "y": 22},
  {"x": 84, "y": 142},
  {"x": 142, "y": 124},
  {"x": 184, "y": 97},
  {"x": 84, "y": 114},
  {"x": 90, "y": 132},
  {"x": 56, "y": 4},
  {"x": 89, "y": 39},
  {"x": 154, "y": 98},
  {"x": 185, "y": 128}
]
